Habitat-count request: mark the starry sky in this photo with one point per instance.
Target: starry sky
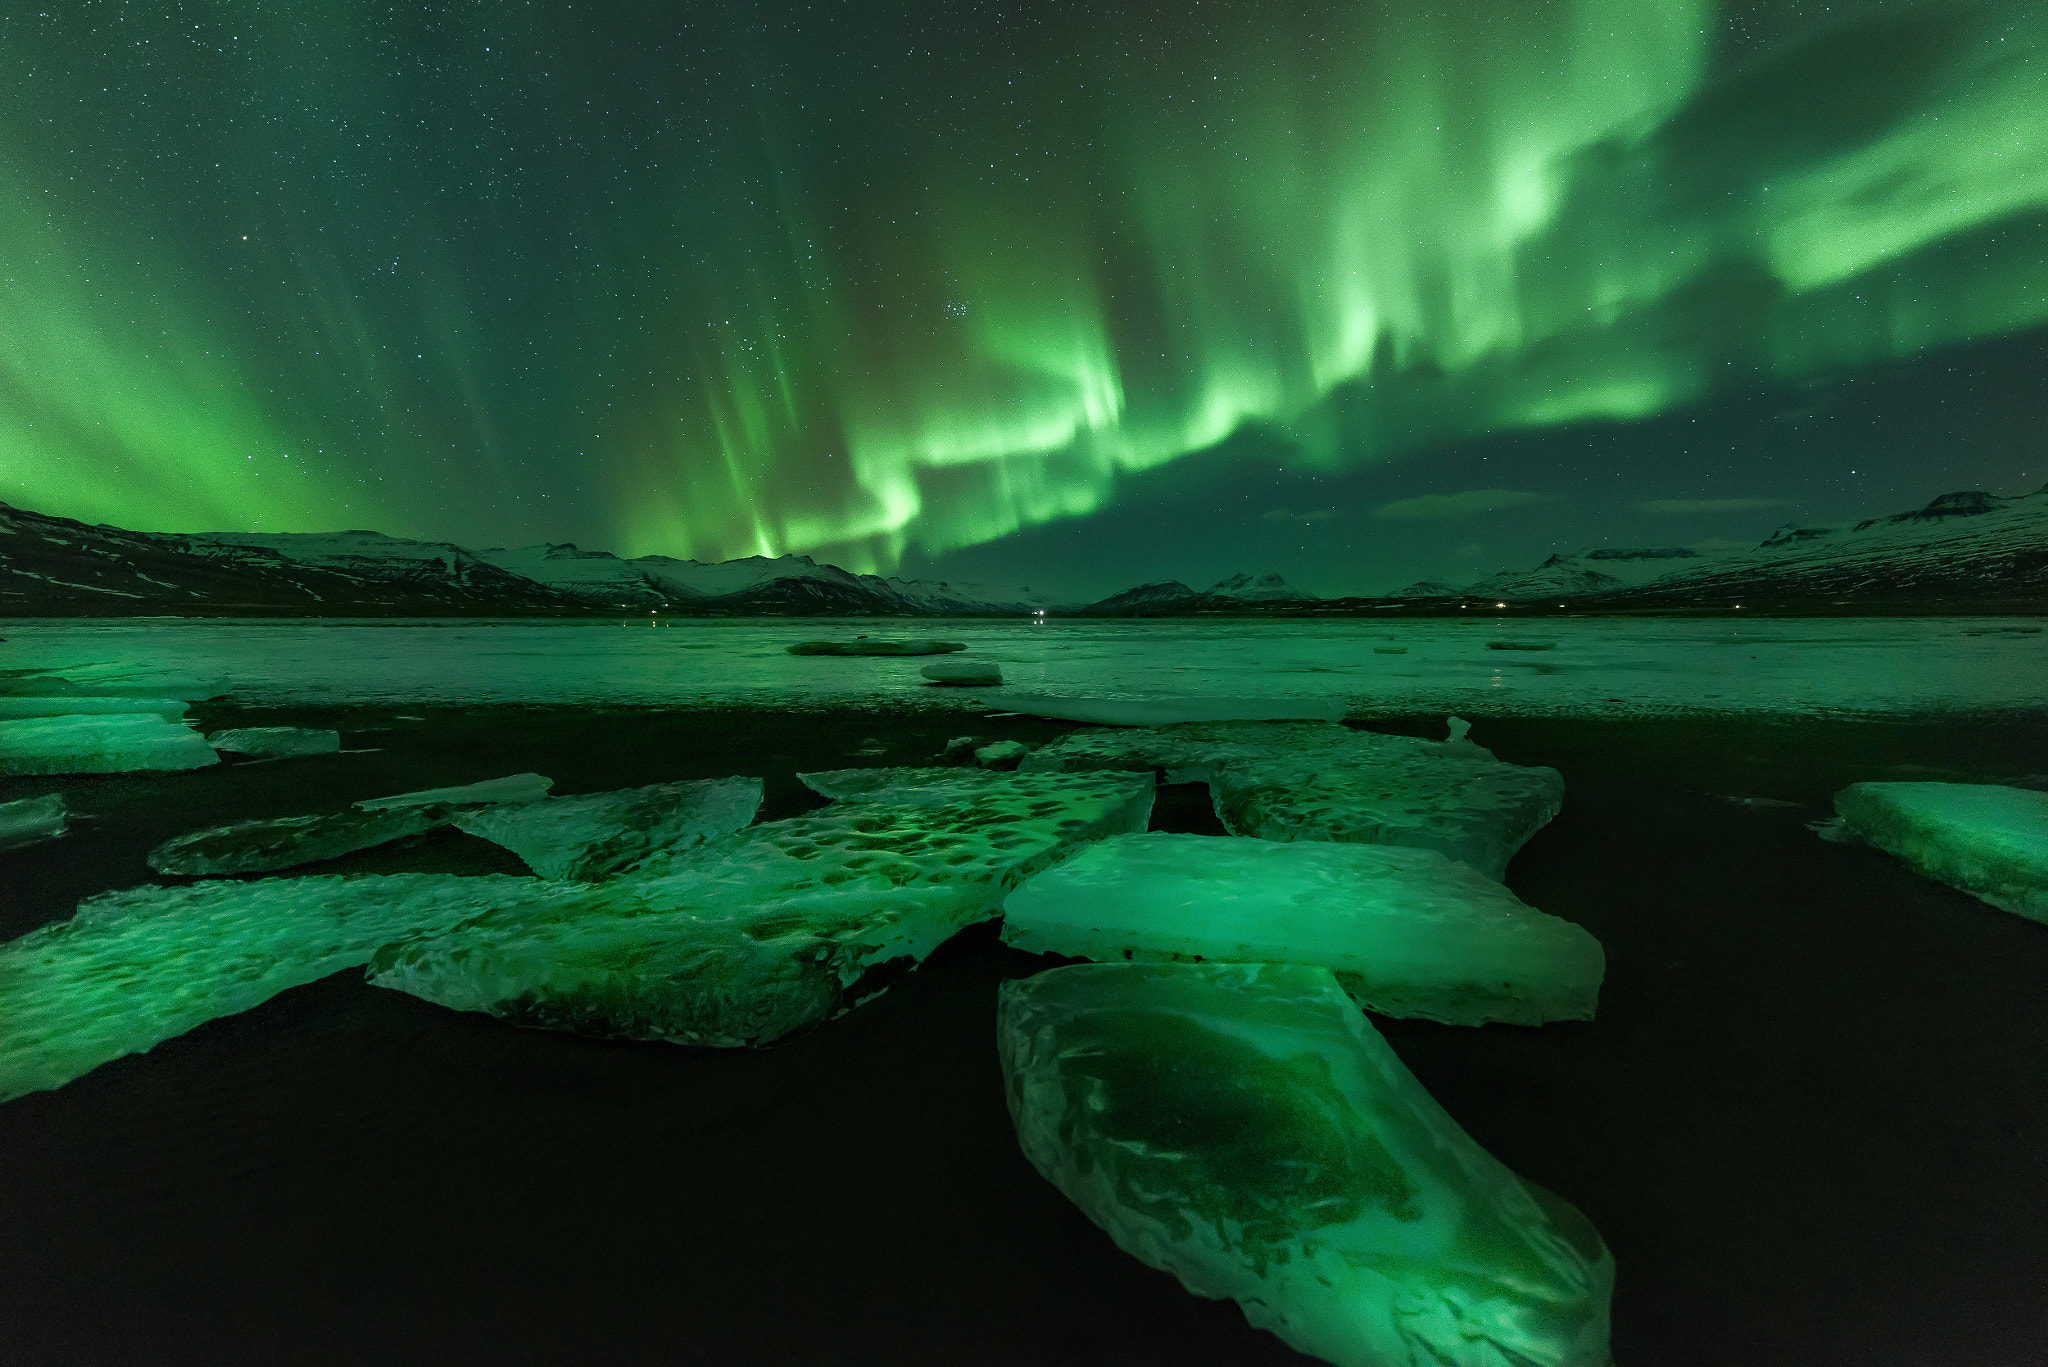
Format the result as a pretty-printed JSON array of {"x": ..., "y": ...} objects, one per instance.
[{"x": 1070, "y": 294}]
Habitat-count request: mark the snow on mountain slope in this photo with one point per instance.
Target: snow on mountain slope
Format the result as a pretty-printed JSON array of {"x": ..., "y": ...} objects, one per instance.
[{"x": 1267, "y": 588}]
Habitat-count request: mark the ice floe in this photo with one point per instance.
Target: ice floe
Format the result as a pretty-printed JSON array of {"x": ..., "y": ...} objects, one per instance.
[
  {"x": 265, "y": 846},
  {"x": 964, "y": 673},
  {"x": 744, "y": 939},
  {"x": 105, "y": 743},
  {"x": 74, "y": 705},
  {"x": 585, "y": 838},
  {"x": 1319, "y": 781},
  {"x": 1166, "y": 710},
  {"x": 31, "y": 821},
  {"x": 1990, "y": 841},
  {"x": 1407, "y": 931},
  {"x": 1245, "y": 1128},
  {"x": 275, "y": 741}
]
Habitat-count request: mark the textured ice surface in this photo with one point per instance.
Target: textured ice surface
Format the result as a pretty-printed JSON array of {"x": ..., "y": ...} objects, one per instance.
[
  {"x": 1989, "y": 841},
  {"x": 288, "y": 841},
  {"x": 135, "y": 968},
  {"x": 117, "y": 680},
  {"x": 585, "y": 838},
  {"x": 108, "y": 743},
  {"x": 744, "y": 939},
  {"x": 967, "y": 673},
  {"x": 1317, "y": 781},
  {"x": 1407, "y": 931},
  {"x": 31, "y": 821},
  {"x": 1001, "y": 754},
  {"x": 1246, "y": 1129},
  {"x": 868, "y": 647},
  {"x": 74, "y": 705},
  {"x": 275, "y": 740},
  {"x": 1163, "y": 711},
  {"x": 512, "y": 788}
]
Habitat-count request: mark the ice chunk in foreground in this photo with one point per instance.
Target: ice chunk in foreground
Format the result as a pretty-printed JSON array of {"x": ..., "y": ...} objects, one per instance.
[
  {"x": 1243, "y": 1127},
  {"x": 133, "y": 969},
  {"x": 513, "y": 788},
  {"x": 1305, "y": 781},
  {"x": 585, "y": 838},
  {"x": 31, "y": 821},
  {"x": 1407, "y": 931},
  {"x": 747, "y": 938},
  {"x": 106, "y": 743},
  {"x": 285, "y": 842},
  {"x": 275, "y": 740},
  {"x": 1987, "y": 840},
  {"x": 1165, "y": 710},
  {"x": 80, "y": 706},
  {"x": 1001, "y": 754}
]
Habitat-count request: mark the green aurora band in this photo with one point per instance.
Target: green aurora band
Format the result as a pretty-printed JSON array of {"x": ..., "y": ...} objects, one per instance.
[{"x": 758, "y": 283}]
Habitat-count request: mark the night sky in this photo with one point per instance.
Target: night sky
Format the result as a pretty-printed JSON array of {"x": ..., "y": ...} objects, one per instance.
[{"x": 1073, "y": 294}]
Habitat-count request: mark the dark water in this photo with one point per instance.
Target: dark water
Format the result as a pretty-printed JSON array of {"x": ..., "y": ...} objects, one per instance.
[{"x": 1811, "y": 1120}]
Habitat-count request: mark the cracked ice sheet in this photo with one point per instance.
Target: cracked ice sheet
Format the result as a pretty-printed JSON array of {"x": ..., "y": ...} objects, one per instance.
[
  {"x": 585, "y": 838},
  {"x": 1987, "y": 840},
  {"x": 1407, "y": 931},
  {"x": 1244, "y": 1128},
  {"x": 736, "y": 942},
  {"x": 1323, "y": 781},
  {"x": 747, "y": 938}
]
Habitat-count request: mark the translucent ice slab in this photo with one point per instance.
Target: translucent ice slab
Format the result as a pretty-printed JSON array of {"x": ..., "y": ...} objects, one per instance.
[
  {"x": 73, "y": 706},
  {"x": 107, "y": 743},
  {"x": 747, "y": 938},
  {"x": 1310, "y": 781},
  {"x": 1164, "y": 710},
  {"x": 275, "y": 741},
  {"x": 135, "y": 968},
  {"x": 286, "y": 842},
  {"x": 1246, "y": 1129},
  {"x": 1989, "y": 841},
  {"x": 31, "y": 821},
  {"x": 586, "y": 838},
  {"x": 1407, "y": 931}
]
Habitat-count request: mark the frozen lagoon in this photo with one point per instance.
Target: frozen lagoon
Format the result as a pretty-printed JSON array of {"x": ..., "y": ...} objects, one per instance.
[{"x": 1599, "y": 667}]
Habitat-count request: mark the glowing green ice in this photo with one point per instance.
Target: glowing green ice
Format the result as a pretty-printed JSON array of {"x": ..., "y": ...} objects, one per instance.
[{"x": 1244, "y": 1128}]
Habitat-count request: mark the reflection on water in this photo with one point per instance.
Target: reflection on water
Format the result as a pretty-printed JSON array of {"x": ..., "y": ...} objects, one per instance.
[{"x": 1596, "y": 667}]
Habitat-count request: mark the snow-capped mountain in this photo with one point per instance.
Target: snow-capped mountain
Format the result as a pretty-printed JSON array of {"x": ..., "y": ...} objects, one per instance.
[
  {"x": 57, "y": 566},
  {"x": 1169, "y": 596},
  {"x": 1965, "y": 547}
]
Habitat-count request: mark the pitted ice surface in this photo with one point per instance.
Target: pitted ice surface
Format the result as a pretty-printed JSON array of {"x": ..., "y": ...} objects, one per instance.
[
  {"x": 1323, "y": 781},
  {"x": 594, "y": 835},
  {"x": 1985, "y": 839},
  {"x": 1244, "y": 1127}
]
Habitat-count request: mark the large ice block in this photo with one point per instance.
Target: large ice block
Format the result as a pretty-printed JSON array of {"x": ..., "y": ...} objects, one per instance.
[
  {"x": 1407, "y": 931},
  {"x": 589, "y": 837},
  {"x": 133, "y": 969},
  {"x": 1164, "y": 709},
  {"x": 285, "y": 842},
  {"x": 1989, "y": 841},
  {"x": 74, "y": 706},
  {"x": 102, "y": 743},
  {"x": 746, "y": 938},
  {"x": 1310, "y": 781},
  {"x": 288, "y": 841},
  {"x": 31, "y": 821},
  {"x": 275, "y": 741},
  {"x": 1244, "y": 1128}
]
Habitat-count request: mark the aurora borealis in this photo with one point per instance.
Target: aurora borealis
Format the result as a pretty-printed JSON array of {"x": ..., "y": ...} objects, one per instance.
[{"x": 876, "y": 282}]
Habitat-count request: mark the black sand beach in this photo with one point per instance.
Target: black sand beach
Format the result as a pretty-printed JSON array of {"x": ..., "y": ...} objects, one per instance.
[{"x": 1810, "y": 1121}]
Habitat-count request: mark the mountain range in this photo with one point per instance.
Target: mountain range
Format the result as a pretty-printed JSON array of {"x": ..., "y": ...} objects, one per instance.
[{"x": 1970, "y": 550}]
